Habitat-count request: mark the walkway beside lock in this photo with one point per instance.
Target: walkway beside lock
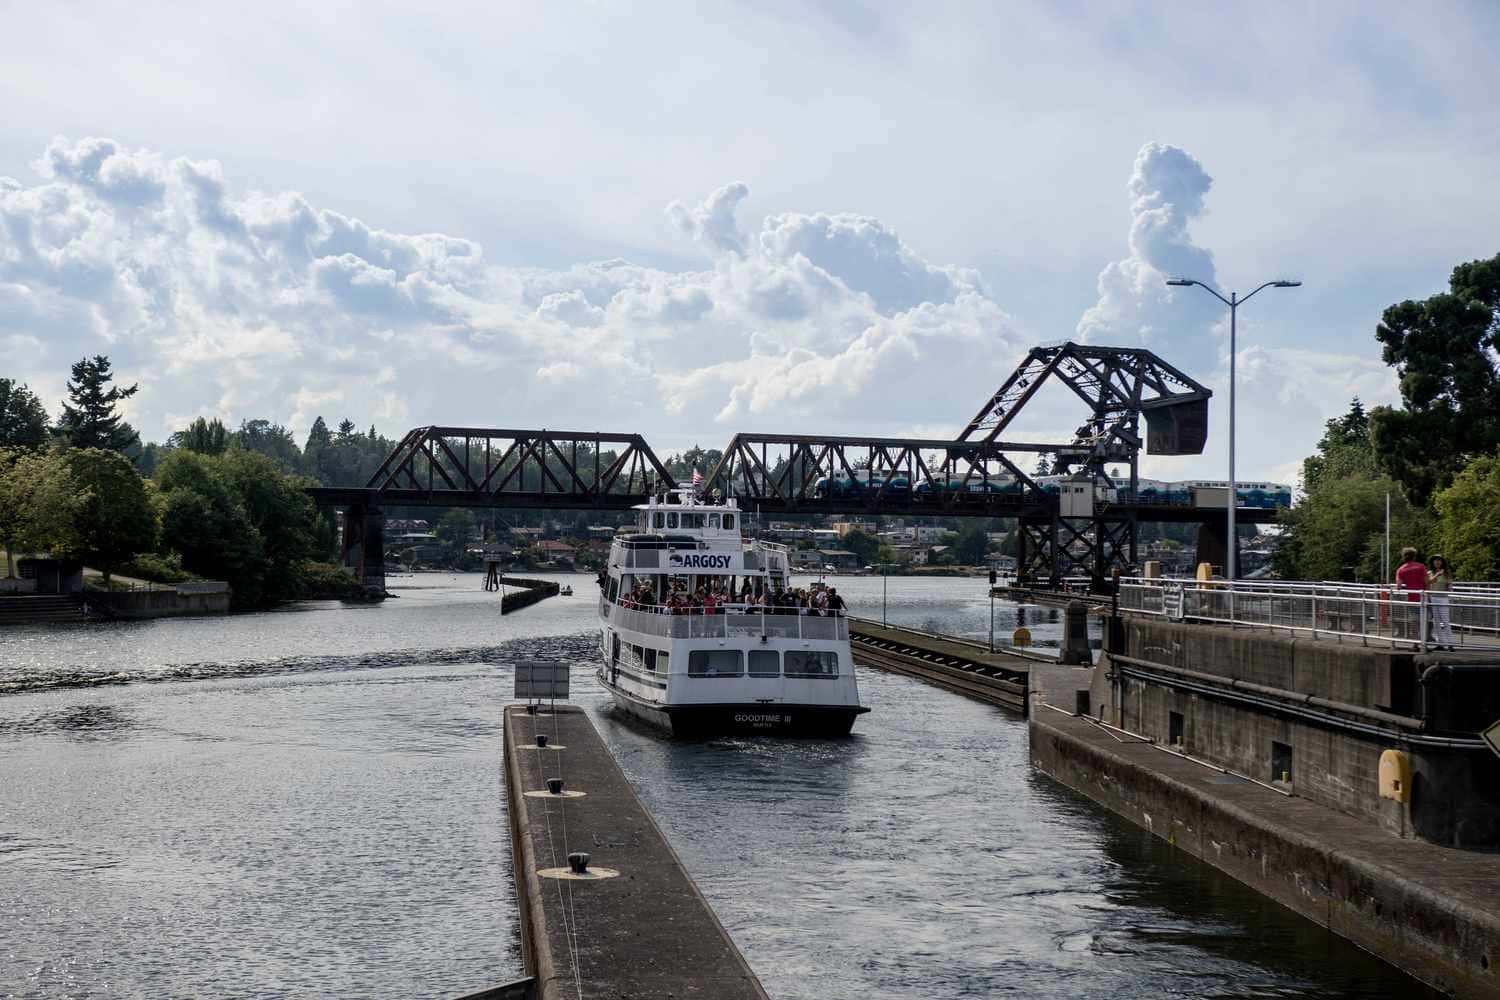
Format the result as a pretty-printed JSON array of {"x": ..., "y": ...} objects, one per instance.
[{"x": 607, "y": 908}]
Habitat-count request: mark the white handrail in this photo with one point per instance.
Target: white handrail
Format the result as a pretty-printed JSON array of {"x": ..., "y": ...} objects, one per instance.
[{"x": 1420, "y": 619}]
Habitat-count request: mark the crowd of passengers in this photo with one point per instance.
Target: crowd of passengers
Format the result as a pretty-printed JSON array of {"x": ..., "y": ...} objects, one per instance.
[{"x": 719, "y": 598}]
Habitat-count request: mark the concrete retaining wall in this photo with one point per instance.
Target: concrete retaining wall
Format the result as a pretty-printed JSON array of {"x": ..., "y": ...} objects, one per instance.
[
  {"x": 166, "y": 603},
  {"x": 1455, "y": 794},
  {"x": 1418, "y": 906}
]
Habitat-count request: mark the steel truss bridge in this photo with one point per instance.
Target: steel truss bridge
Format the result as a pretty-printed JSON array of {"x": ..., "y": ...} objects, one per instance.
[{"x": 970, "y": 476}]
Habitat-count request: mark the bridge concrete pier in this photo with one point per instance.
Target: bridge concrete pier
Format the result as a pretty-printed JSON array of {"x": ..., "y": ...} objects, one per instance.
[
  {"x": 364, "y": 544},
  {"x": 1211, "y": 547}
]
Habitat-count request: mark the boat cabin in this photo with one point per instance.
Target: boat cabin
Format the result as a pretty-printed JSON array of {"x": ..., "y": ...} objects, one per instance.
[{"x": 682, "y": 544}]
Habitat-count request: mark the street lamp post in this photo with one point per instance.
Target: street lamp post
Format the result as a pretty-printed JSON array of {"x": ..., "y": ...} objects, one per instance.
[{"x": 1233, "y": 302}]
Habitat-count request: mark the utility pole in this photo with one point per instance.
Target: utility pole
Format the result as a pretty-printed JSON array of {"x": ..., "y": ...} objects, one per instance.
[{"x": 1233, "y": 302}]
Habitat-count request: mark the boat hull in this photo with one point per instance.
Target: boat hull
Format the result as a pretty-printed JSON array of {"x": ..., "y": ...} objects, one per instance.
[{"x": 738, "y": 719}]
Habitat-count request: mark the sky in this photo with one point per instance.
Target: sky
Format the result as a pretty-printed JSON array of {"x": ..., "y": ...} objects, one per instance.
[{"x": 692, "y": 220}]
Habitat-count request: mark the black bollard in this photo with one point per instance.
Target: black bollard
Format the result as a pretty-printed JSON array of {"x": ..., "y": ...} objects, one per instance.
[
  {"x": 541, "y": 739},
  {"x": 579, "y": 862},
  {"x": 554, "y": 785}
]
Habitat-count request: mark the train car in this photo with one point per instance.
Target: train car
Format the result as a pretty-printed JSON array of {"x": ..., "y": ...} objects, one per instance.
[{"x": 1247, "y": 494}]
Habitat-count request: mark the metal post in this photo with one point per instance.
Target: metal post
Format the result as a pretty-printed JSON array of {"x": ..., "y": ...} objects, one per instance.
[
  {"x": 882, "y": 595},
  {"x": 1229, "y": 567},
  {"x": 992, "y": 619},
  {"x": 1422, "y": 623},
  {"x": 1385, "y": 553}
]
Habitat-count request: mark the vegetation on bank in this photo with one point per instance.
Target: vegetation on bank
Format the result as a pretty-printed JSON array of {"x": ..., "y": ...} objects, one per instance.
[
  {"x": 223, "y": 512},
  {"x": 1437, "y": 456}
]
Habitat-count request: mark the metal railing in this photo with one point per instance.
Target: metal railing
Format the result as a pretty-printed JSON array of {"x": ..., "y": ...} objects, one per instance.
[
  {"x": 732, "y": 621},
  {"x": 1466, "y": 617}
]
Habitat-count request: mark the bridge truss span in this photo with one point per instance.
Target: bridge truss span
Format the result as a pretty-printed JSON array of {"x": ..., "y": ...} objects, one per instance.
[
  {"x": 854, "y": 475},
  {"x": 1081, "y": 518},
  {"x": 500, "y": 467}
]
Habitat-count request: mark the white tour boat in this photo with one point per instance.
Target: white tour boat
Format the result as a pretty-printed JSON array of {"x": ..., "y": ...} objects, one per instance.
[{"x": 736, "y": 667}]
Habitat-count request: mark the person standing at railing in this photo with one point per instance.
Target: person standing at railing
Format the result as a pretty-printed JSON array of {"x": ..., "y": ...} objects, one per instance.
[
  {"x": 1439, "y": 584},
  {"x": 1411, "y": 576}
]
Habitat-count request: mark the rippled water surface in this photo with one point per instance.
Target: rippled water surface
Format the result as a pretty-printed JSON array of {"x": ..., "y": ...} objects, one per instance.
[{"x": 308, "y": 803}]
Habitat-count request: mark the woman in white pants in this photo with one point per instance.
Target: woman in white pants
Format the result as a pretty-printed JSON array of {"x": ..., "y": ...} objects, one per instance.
[{"x": 1439, "y": 584}]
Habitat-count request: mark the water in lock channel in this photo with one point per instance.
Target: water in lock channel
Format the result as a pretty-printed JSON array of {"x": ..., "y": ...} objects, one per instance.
[{"x": 308, "y": 802}]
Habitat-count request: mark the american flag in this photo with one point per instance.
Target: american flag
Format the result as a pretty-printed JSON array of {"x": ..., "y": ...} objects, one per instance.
[{"x": 697, "y": 479}]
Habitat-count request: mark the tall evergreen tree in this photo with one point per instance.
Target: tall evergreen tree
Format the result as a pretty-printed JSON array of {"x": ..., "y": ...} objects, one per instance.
[
  {"x": 23, "y": 419},
  {"x": 89, "y": 419},
  {"x": 1444, "y": 351}
]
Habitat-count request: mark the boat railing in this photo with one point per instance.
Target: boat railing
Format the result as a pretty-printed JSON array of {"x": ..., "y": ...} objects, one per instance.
[{"x": 731, "y": 621}]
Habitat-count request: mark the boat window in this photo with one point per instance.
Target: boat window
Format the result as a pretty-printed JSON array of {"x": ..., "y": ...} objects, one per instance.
[
  {"x": 715, "y": 663},
  {"x": 614, "y": 589},
  {"x": 651, "y": 659},
  {"x": 659, "y": 520},
  {"x": 615, "y": 651},
  {"x": 765, "y": 663},
  {"x": 692, "y": 520},
  {"x": 713, "y": 520},
  {"x": 729, "y": 520},
  {"x": 663, "y": 659},
  {"x": 672, "y": 519},
  {"x": 811, "y": 663}
]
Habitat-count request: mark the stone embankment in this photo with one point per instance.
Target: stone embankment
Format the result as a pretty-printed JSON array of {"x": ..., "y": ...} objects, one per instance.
[{"x": 528, "y": 593}]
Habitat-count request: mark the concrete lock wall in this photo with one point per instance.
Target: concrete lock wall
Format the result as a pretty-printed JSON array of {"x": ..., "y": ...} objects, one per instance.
[
  {"x": 168, "y": 603},
  {"x": 1395, "y": 909},
  {"x": 1454, "y": 797}
]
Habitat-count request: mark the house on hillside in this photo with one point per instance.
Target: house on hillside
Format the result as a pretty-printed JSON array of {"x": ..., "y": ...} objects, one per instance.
[{"x": 552, "y": 551}]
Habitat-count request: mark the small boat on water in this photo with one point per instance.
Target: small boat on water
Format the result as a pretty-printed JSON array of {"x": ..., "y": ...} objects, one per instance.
[
  {"x": 734, "y": 667},
  {"x": 567, "y": 591}
]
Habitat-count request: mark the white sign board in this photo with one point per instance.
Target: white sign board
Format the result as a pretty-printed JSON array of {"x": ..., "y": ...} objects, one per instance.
[
  {"x": 705, "y": 561},
  {"x": 1492, "y": 737},
  {"x": 1171, "y": 601},
  {"x": 542, "y": 679}
]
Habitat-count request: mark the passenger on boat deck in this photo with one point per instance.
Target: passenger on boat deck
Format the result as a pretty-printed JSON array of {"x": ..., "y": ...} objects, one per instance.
[{"x": 835, "y": 602}]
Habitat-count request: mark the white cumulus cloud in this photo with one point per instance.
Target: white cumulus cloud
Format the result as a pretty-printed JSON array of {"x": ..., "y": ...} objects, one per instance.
[{"x": 242, "y": 303}]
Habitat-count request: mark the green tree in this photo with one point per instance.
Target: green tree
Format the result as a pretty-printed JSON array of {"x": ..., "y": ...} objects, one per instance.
[
  {"x": 454, "y": 530},
  {"x": 205, "y": 522},
  {"x": 1468, "y": 525},
  {"x": 272, "y": 440},
  {"x": 89, "y": 420},
  {"x": 1443, "y": 349},
  {"x": 38, "y": 503},
  {"x": 203, "y": 436},
  {"x": 972, "y": 545},
  {"x": 864, "y": 545},
  {"x": 237, "y": 517},
  {"x": 23, "y": 419},
  {"x": 115, "y": 517},
  {"x": 1336, "y": 530}
]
